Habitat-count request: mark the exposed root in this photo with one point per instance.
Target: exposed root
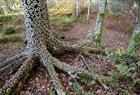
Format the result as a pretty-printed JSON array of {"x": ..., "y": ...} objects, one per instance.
[
  {"x": 21, "y": 85},
  {"x": 49, "y": 62},
  {"x": 54, "y": 79},
  {"x": 23, "y": 70},
  {"x": 83, "y": 49},
  {"x": 11, "y": 60},
  {"x": 9, "y": 68},
  {"x": 46, "y": 59},
  {"x": 76, "y": 49}
]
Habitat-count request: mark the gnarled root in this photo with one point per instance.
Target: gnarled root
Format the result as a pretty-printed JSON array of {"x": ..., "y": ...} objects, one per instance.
[
  {"x": 23, "y": 70},
  {"x": 47, "y": 60},
  {"x": 9, "y": 68},
  {"x": 59, "y": 47},
  {"x": 11, "y": 60},
  {"x": 83, "y": 49}
]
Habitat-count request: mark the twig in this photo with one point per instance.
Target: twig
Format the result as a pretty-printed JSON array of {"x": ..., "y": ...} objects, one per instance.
[{"x": 85, "y": 63}]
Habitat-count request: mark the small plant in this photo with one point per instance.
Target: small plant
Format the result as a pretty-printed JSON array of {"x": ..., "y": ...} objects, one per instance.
[
  {"x": 9, "y": 30},
  {"x": 78, "y": 89},
  {"x": 114, "y": 57},
  {"x": 122, "y": 71},
  {"x": 5, "y": 18}
]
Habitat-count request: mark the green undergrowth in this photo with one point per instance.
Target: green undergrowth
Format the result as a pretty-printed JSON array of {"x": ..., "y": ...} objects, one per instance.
[
  {"x": 5, "y": 18},
  {"x": 9, "y": 30},
  {"x": 10, "y": 27},
  {"x": 67, "y": 21},
  {"x": 123, "y": 73},
  {"x": 8, "y": 18},
  {"x": 12, "y": 37}
]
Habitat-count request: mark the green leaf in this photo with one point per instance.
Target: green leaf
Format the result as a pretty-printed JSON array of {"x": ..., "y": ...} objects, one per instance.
[
  {"x": 92, "y": 82},
  {"x": 77, "y": 88},
  {"x": 83, "y": 75}
]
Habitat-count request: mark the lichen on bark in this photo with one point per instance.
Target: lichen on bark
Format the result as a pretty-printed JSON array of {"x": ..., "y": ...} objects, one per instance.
[{"x": 99, "y": 23}]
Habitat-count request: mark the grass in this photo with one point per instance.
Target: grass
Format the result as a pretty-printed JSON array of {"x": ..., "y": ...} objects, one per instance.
[
  {"x": 9, "y": 30},
  {"x": 8, "y": 19},
  {"x": 5, "y": 19},
  {"x": 67, "y": 21},
  {"x": 12, "y": 37},
  {"x": 10, "y": 24}
]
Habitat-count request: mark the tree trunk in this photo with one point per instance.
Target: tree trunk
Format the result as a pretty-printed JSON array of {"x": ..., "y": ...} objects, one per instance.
[
  {"x": 89, "y": 9},
  {"x": 41, "y": 43},
  {"x": 77, "y": 3},
  {"x": 135, "y": 40},
  {"x": 99, "y": 22}
]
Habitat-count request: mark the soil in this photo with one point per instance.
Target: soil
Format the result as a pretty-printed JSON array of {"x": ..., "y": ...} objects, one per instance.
[{"x": 39, "y": 84}]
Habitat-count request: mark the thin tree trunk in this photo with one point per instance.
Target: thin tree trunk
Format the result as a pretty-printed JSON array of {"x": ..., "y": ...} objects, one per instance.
[
  {"x": 77, "y": 3},
  {"x": 99, "y": 22},
  {"x": 135, "y": 40},
  {"x": 89, "y": 9}
]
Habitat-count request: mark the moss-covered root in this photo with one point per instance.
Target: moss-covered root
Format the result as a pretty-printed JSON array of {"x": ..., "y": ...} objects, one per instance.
[
  {"x": 84, "y": 50},
  {"x": 73, "y": 70},
  {"x": 76, "y": 48},
  {"x": 135, "y": 40},
  {"x": 22, "y": 71}
]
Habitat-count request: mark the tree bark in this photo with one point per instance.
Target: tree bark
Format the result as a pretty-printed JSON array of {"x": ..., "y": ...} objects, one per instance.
[
  {"x": 89, "y": 9},
  {"x": 135, "y": 40},
  {"x": 99, "y": 22},
  {"x": 77, "y": 3}
]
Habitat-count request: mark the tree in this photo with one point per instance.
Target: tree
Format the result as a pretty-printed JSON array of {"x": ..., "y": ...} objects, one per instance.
[
  {"x": 41, "y": 45},
  {"x": 77, "y": 9},
  {"x": 89, "y": 9},
  {"x": 99, "y": 22},
  {"x": 134, "y": 43}
]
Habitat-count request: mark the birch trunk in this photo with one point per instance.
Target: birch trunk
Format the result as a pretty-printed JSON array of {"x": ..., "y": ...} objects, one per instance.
[
  {"x": 99, "y": 22},
  {"x": 135, "y": 40},
  {"x": 77, "y": 3},
  {"x": 89, "y": 9}
]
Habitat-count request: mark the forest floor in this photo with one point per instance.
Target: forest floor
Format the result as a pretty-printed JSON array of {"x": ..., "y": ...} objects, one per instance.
[{"x": 116, "y": 35}]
